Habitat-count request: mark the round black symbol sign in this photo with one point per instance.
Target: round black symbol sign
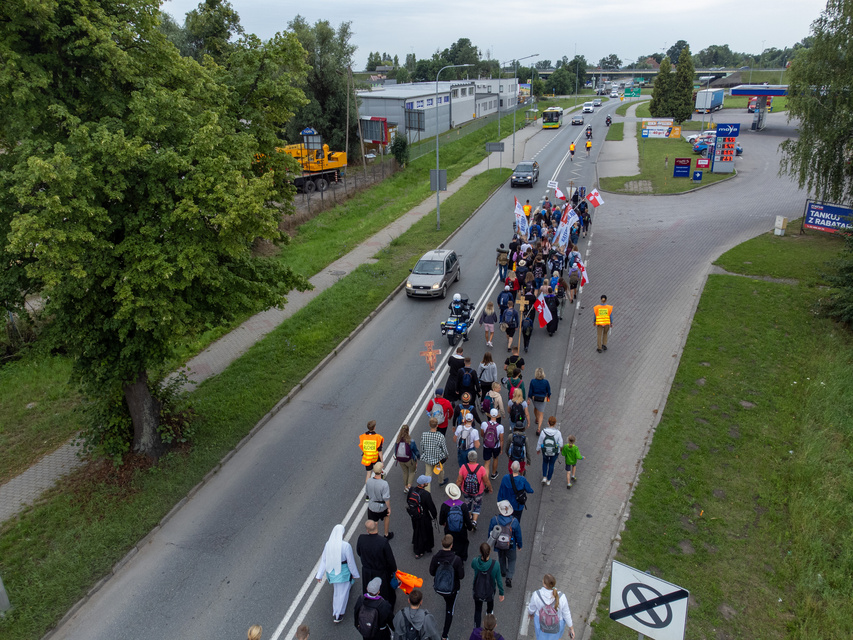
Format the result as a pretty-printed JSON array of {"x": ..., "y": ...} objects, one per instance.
[{"x": 643, "y": 593}]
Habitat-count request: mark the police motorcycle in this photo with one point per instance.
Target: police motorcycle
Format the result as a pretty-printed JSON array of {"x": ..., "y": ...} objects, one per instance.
[
  {"x": 608, "y": 121},
  {"x": 459, "y": 322},
  {"x": 589, "y": 132}
]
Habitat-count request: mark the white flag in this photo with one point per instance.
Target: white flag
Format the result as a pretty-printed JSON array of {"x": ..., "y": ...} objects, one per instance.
[
  {"x": 595, "y": 198},
  {"x": 559, "y": 194},
  {"x": 544, "y": 312},
  {"x": 584, "y": 277}
]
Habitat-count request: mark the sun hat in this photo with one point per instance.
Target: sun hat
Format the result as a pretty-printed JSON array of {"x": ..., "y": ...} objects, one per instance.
[
  {"x": 505, "y": 508},
  {"x": 452, "y": 491}
]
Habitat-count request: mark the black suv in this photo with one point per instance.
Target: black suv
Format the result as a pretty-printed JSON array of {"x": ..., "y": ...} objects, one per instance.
[{"x": 526, "y": 173}]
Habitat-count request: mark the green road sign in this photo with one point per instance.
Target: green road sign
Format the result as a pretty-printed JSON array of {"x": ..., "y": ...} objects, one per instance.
[{"x": 633, "y": 92}]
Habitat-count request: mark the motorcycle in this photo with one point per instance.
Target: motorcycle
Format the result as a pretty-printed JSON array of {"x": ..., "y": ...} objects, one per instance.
[
  {"x": 459, "y": 322},
  {"x": 588, "y": 134},
  {"x": 608, "y": 121}
]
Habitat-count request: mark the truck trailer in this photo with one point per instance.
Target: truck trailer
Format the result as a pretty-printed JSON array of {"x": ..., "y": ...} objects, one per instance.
[{"x": 709, "y": 100}]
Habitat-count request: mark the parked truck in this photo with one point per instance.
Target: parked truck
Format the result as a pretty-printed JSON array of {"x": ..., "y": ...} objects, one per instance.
[
  {"x": 319, "y": 168},
  {"x": 709, "y": 100}
]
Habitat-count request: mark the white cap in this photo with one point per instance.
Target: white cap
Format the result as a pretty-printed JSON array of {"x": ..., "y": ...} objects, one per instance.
[
  {"x": 506, "y": 288},
  {"x": 493, "y": 413},
  {"x": 469, "y": 417}
]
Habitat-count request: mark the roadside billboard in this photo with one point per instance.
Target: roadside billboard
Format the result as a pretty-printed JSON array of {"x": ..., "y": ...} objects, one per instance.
[
  {"x": 661, "y": 128},
  {"x": 822, "y": 216}
]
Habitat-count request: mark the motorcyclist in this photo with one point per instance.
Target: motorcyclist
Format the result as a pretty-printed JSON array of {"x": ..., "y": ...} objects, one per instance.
[
  {"x": 459, "y": 308},
  {"x": 608, "y": 120},
  {"x": 589, "y": 132}
]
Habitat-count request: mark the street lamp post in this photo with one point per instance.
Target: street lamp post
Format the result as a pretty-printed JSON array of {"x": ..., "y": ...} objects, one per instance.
[
  {"x": 437, "y": 136},
  {"x": 516, "y": 98}
]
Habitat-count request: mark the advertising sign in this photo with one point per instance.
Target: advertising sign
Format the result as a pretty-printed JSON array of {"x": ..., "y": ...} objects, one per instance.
[
  {"x": 728, "y": 130},
  {"x": 661, "y": 128},
  {"x": 703, "y": 163},
  {"x": 822, "y": 216},
  {"x": 681, "y": 168}
]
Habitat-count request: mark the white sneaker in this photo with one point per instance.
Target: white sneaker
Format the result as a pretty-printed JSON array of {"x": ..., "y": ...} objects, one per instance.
[
  {"x": 548, "y": 482},
  {"x": 544, "y": 480}
]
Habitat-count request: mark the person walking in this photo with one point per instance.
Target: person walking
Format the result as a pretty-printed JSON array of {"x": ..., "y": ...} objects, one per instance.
[
  {"x": 549, "y": 611},
  {"x": 338, "y": 565},
  {"x": 550, "y": 444},
  {"x": 588, "y": 147},
  {"x": 448, "y": 571},
  {"x": 603, "y": 316},
  {"x": 466, "y": 405},
  {"x": 539, "y": 392},
  {"x": 510, "y": 322},
  {"x": 416, "y": 619},
  {"x": 487, "y": 631},
  {"x": 370, "y": 444},
  {"x": 574, "y": 281},
  {"x": 514, "y": 489},
  {"x": 467, "y": 381},
  {"x": 434, "y": 453},
  {"x": 514, "y": 362},
  {"x": 373, "y": 614},
  {"x": 527, "y": 325},
  {"x": 407, "y": 455},
  {"x": 553, "y": 304},
  {"x": 502, "y": 261},
  {"x": 507, "y": 539},
  {"x": 421, "y": 509},
  {"x": 488, "y": 320},
  {"x": 467, "y": 438},
  {"x": 487, "y": 374},
  {"x": 255, "y": 632},
  {"x": 519, "y": 413},
  {"x": 377, "y": 560},
  {"x": 379, "y": 492},
  {"x": 455, "y": 517},
  {"x": 473, "y": 480},
  {"x": 487, "y": 580},
  {"x": 454, "y": 364},
  {"x": 441, "y": 409},
  {"x": 572, "y": 151},
  {"x": 572, "y": 455},
  {"x": 497, "y": 401},
  {"x": 503, "y": 300},
  {"x": 493, "y": 442}
]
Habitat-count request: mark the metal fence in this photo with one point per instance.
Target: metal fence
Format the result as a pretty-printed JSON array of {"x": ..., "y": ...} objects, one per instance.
[{"x": 424, "y": 147}]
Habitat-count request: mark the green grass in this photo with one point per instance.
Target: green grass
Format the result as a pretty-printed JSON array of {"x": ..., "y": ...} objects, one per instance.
[
  {"x": 748, "y": 508},
  {"x": 800, "y": 257},
  {"x": 40, "y": 382},
  {"x": 616, "y": 131},
  {"x": 653, "y": 154},
  {"x": 741, "y": 102},
  {"x": 622, "y": 109},
  {"x": 53, "y": 553},
  {"x": 643, "y": 110}
]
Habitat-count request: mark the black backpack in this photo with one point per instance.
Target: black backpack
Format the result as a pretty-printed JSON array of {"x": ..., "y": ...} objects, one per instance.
[
  {"x": 484, "y": 586},
  {"x": 467, "y": 380},
  {"x": 516, "y": 413},
  {"x": 409, "y": 633},
  {"x": 516, "y": 448},
  {"x": 445, "y": 578},
  {"x": 413, "y": 504},
  {"x": 368, "y": 621},
  {"x": 520, "y": 494}
]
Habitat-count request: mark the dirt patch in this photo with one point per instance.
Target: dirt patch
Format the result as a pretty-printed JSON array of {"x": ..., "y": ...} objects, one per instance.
[
  {"x": 687, "y": 524},
  {"x": 639, "y": 186},
  {"x": 686, "y": 547},
  {"x": 701, "y": 421},
  {"x": 746, "y": 404},
  {"x": 692, "y": 602},
  {"x": 705, "y": 364},
  {"x": 693, "y": 446},
  {"x": 701, "y": 382},
  {"x": 102, "y": 473},
  {"x": 734, "y": 432},
  {"x": 726, "y": 611},
  {"x": 710, "y": 548},
  {"x": 719, "y": 493}
]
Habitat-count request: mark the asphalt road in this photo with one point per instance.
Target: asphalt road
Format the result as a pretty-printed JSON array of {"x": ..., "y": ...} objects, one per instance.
[{"x": 244, "y": 549}]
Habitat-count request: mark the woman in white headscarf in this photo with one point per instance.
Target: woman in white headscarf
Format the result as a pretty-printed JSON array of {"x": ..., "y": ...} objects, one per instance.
[{"x": 338, "y": 564}]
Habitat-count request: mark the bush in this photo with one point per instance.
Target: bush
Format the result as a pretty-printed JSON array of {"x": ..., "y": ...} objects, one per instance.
[
  {"x": 400, "y": 150},
  {"x": 840, "y": 305}
]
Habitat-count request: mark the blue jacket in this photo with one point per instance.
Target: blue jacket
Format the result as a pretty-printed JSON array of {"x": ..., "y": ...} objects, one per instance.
[
  {"x": 506, "y": 492},
  {"x": 539, "y": 388},
  {"x": 503, "y": 521}
]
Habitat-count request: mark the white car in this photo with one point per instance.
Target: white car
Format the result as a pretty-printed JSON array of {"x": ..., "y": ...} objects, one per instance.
[
  {"x": 588, "y": 107},
  {"x": 614, "y": 94},
  {"x": 693, "y": 137}
]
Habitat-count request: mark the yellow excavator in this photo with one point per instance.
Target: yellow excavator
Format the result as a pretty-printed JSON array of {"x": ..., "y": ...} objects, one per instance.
[{"x": 319, "y": 168}]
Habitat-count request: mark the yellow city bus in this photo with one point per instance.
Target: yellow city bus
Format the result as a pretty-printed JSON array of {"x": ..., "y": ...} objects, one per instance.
[{"x": 552, "y": 118}]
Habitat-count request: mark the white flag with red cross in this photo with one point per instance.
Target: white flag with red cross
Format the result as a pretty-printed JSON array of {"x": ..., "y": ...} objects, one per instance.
[
  {"x": 594, "y": 198},
  {"x": 544, "y": 312},
  {"x": 559, "y": 194},
  {"x": 584, "y": 277}
]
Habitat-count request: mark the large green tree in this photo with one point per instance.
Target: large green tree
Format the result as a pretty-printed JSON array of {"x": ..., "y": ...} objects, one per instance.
[
  {"x": 211, "y": 28},
  {"x": 329, "y": 55},
  {"x": 611, "y": 62},
  {"x": 661, "y": 103},
  {"x": 682, "y": 87},
  {"x": 561, "y": 82},
  {"x": 820, "y": 99},
  {"x": 130, "y": 191},
  {"x": 674, "y": 52}
]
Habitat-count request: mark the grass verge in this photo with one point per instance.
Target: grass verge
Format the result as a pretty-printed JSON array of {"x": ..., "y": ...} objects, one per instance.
[
  {"x": 53, "y": 553},
  {"x": 744, "y": 495},
  {"x": 616, "y": 131},
  {"x": 622, "y": 109},
  {"x": 654, "y": 168},
  {"x": 741, "y": 102},
  {"x": 802, "y": 257}
]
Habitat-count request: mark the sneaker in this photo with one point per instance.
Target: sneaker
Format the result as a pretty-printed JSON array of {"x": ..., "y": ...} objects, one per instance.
[
  {"x": 367, "y": 498},
  {"x": 544, "y": 480},
  {"x": 494, "y": 476},
  {"x": 338, "y": 619},
  {"x": 390, "y": 536},
  {"x": 548, "y": 483},
  {"x": 568, "y": 486},
  {"x": 604, "y": 346},
  {"x": 599, "y": 350},
  {"x": 574, "y": 479},
  {"x": 509, "y": 582}
]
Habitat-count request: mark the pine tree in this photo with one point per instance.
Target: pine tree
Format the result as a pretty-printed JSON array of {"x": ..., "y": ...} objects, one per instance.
[
  {"x": 660, "y": 106},
  {"x": 682, "y": 88}
]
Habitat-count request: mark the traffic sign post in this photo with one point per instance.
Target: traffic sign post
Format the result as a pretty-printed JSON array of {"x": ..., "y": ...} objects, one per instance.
[{"x": 646, "y": 604}]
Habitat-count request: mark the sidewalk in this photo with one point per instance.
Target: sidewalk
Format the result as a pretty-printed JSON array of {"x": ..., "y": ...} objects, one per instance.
[
  {"x": 24, "y": 490},
  {"x": 622, "y": 157}
]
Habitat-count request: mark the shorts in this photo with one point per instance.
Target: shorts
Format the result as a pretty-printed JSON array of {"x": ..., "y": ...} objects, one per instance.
[
  {"x": 573, "y": 285},
  {"x": 488, "y": 453},
  {"x": 489, "y": 327},
  {"x": 510, "y": 332},
  {"x": 474, "y": 503},
  {"x": 369, "y": 467},
  {"x": 570, "y": 468},
  {"x": 377, "y": 517}
]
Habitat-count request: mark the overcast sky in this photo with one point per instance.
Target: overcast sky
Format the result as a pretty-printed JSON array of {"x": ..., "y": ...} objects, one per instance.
[{"x": 628, "y": 28}]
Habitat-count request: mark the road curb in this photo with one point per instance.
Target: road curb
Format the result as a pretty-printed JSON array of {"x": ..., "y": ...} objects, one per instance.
[{"x": 148, "y": 538}]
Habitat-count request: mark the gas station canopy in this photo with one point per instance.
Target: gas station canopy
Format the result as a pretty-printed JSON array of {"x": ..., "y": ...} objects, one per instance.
[{"x": 760, "y": 90}]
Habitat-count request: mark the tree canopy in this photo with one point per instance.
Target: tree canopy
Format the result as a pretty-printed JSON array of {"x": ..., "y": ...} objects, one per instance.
[
  {"x": 681, "y": 101},
  {"x": 131, "y": 194},
  {"x": 611, "y": 62},
  {"x": 674, "y": 52},
  {"x": 660, "y": 105}
]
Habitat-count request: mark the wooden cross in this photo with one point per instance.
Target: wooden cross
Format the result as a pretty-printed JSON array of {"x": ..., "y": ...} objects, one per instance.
[
  {"x": 430, "y": 354},
  {"x": 521, "y": 304}
]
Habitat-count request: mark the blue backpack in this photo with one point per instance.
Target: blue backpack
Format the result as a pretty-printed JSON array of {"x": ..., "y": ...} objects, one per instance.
[{"x": 455, "y": 519}]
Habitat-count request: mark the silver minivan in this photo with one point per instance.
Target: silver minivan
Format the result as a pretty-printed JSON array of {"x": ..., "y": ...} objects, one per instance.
[
  {"x": 433, "y": 274},
  {"x": 588, "y": 107}
]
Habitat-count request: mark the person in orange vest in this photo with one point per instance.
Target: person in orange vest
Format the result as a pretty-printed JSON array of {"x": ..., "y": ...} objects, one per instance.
[
  {"x": 603, "y": 314},
  {"x": 572, "y": 151},
  {"x": 588, "y": 146},
  {"x": 527, "y": 208},
  {"x": 370, "y": 444}
]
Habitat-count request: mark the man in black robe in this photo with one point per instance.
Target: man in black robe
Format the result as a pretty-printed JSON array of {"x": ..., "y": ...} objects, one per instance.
[
  {"x": 377, "y": 561},
  {"x": 372, "y": 600},
  {"x": 421, "y": 509}
]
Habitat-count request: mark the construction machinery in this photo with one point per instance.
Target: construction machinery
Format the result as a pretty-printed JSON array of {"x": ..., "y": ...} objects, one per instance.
[{"x": 320, "y": 168}]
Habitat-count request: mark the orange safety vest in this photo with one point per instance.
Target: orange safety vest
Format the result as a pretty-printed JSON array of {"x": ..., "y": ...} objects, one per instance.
[
  {"x": 572, "y": 147},
  {"x": 370, "y": 444},
  {"x": 602, "y": 314},
  {"x": 527, "y": 210},
  {"x": 588, "y": 144}
]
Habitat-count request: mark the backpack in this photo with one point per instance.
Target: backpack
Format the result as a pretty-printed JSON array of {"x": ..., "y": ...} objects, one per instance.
[
  {"x": 445, "y": 578},
  {"x": 368, "y": 621},
  {"x": 409, "y": 633},
  {"x": 549, "y": 445},
  {"x": 471, "y": 486},
  {"x": 403, "y": 452},
  {"x": 504, "y": 540},
  {"x": 574, "y": 275},
  {"x": 516, "y": 448},
  {"x": 549, "y": 619},
  {"x": 486, "y": 404},
  {"x": 484, "y": 586},
  {"x": 516, "y": 410},
  {"x": 413, "y": 504},
  {"x": 511, "y": 318},
  {"x": 490, "y": 436},
  {"x": 455, "y": 519},
  {"x": 437, "y": 412},
  {"x": 466, "y": 377},
  {"x": 462, "y": 443}
]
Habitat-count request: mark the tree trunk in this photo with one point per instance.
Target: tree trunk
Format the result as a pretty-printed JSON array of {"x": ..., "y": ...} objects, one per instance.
[{"x": 145, "y": 413}]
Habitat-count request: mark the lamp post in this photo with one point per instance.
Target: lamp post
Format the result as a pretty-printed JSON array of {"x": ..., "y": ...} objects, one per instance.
[
  {"x": 534, "y": 55},
  {"x": 437, "y": 136}
]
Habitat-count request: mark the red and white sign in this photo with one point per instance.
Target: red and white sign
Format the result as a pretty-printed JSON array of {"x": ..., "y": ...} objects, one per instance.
[
  {"x": 703, "y": 163},
  {"x": 594, "y": 198}
]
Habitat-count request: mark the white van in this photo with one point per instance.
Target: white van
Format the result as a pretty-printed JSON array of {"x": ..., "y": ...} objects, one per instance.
[{"x": 588, "y": 108}]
